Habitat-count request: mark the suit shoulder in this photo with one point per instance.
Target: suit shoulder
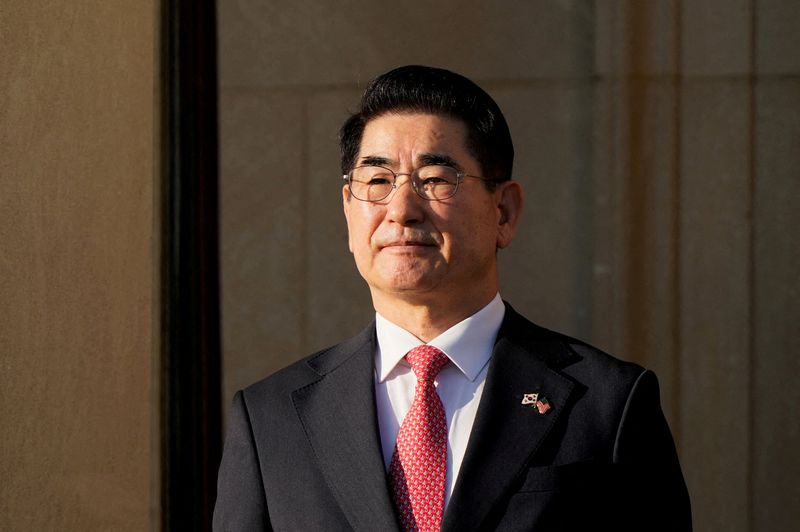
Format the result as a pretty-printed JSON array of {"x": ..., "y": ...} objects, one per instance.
[
  {"x": 288, "y": 377},
  {"x": 573, "y": 356},
  {"x": 598, "y": 361},
  {"x": 310, "y": 368},
  {"x": 604, "y": 377}
]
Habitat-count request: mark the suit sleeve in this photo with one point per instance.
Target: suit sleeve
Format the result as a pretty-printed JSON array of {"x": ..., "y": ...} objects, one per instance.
[
  {"x": 652, "y": 487},
  {"x": 241, "y": 501}
]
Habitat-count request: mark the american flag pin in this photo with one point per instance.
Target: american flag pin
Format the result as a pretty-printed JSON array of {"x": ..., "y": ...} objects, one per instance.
[{"x": 542, "y": 405}]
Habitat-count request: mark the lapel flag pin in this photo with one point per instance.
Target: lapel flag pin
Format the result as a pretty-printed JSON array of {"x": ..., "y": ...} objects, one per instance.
[
  {"x": 530, "y": 398},
  {"x": 541, "y": 404}
]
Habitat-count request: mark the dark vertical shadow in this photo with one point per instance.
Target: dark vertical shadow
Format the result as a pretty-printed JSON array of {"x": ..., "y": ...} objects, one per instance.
[{"x": 190, "y": 337}]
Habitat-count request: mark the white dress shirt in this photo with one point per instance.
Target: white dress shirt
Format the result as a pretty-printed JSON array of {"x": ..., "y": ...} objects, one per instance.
[{"x": 468, "y": 344}]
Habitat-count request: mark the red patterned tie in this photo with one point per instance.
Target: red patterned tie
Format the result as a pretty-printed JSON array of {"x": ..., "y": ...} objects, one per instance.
[{"x": 419, "y": 462}]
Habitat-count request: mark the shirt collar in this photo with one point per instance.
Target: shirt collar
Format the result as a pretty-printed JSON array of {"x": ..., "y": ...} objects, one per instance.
[{"x": 468, "y": 343}]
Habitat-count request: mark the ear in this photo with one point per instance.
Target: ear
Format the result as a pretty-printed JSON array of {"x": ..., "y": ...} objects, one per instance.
[
  {"x": 510, "y": 199},
  {"x": 346, "y": 204}
]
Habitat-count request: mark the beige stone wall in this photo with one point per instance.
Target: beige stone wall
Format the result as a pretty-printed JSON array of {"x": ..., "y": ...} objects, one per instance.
[
  {"x": 77, "y": 152},
  {"x": 657, "y": 143}
]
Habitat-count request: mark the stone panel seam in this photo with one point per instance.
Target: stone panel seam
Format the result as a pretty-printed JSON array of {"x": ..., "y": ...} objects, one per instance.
[{"x": 751, "y": 295}]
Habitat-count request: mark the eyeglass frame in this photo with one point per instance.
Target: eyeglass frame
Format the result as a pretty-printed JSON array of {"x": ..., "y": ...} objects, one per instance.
[{"x": 491, "y": 184}]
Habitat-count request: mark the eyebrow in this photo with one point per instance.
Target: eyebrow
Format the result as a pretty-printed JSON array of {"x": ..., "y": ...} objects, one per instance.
[
  {"x": 437, "y": 159},
  {"x": 374, "y": 160},
  {"x": 425, "y": 159}
]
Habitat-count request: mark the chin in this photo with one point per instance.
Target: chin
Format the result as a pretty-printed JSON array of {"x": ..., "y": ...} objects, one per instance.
[
  {"x": 407, "y": 283},
  {"x": 404, "y": 276}
]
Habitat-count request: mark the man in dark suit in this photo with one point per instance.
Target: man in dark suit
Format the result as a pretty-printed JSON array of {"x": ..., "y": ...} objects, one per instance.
[{"x": 450, "y": 411}]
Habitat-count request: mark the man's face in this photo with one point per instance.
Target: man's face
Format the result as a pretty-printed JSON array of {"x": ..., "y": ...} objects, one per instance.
[{"x": 413, "y": 249}]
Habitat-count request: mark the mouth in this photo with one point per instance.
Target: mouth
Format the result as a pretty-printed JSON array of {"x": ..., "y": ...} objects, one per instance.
[
  {"x": 407, "y": 246},
  {"x": 407, "y": 243}
]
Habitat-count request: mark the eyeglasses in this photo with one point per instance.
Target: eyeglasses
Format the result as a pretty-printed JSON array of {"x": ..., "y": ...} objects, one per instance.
[{"x": 432, "y": 182}]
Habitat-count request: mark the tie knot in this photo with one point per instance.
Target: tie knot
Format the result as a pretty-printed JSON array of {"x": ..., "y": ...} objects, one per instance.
[{"x": 426, "y": 361}]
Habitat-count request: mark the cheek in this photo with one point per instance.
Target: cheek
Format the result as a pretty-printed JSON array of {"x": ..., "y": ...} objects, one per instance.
[
  {"x": 473, "y": 240},
  {"x": 360, "y": 227}
]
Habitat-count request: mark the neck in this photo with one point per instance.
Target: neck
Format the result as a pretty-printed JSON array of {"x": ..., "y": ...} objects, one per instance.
[{"x": 428, "y": 318}]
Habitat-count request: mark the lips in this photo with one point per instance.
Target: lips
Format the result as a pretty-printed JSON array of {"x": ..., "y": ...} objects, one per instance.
[
  {"x": 407, "y": 238},
  {"x": 407, "y": 243}
]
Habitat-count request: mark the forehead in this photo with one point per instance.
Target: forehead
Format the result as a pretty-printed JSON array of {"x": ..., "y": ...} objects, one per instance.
[{"x": 401, "y": 135}]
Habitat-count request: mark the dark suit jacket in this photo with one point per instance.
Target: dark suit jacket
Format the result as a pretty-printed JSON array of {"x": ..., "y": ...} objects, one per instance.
[{"x": 303, "y": 450}]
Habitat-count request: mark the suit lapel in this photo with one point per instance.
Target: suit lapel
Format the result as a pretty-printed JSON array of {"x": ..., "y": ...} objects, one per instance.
[
  {"x": 506, "y": 433},
  {"x": 339, "y": 416}
]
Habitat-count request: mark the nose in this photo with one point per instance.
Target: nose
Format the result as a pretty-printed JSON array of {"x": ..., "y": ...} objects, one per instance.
[{"x": 405, "y": 206}]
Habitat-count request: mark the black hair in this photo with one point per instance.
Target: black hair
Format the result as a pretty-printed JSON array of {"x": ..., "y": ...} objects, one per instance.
[{"x": 422, "y": 89}]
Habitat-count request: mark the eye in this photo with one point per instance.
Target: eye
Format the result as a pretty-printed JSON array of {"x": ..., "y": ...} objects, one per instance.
[
  {"x": 372, "y": 176},
  {"x": 430, "y": 183},
  {"x": 431, "y": 176},
  {"x": 380, "y": 179}
]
